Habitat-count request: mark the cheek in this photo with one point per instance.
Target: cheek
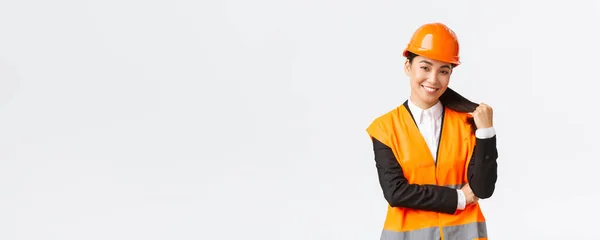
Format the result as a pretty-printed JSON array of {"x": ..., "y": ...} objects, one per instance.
[
  {"x": 418, "y": 77},
  {"x": 444, "y": 80},
  {"x": 415, "y": 82}
]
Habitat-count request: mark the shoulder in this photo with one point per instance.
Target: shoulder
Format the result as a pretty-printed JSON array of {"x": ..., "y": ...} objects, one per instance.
[
  {"x": 384, "y": 125},
  {"x": 456, "y": 114},
  {"x": 460, "y": 120}
]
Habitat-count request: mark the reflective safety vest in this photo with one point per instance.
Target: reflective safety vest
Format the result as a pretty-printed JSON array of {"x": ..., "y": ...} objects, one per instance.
[{"x": 398, "y": 130}]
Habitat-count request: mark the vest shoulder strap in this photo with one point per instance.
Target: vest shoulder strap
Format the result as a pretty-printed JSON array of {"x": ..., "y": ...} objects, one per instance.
[{"x": 385, "y": 126}]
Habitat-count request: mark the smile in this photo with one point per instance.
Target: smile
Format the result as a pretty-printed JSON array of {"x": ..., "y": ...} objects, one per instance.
[{"x": 429, "y": 89}]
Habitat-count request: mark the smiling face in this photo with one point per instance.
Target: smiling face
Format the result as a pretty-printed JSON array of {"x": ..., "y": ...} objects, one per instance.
[{"x": 428, "y": 80}]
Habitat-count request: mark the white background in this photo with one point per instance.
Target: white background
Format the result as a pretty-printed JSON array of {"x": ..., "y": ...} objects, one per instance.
[{"x": 246, "y": 119}]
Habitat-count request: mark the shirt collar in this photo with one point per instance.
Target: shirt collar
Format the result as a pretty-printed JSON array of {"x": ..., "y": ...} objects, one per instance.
[{"x": 419, "y": 113}]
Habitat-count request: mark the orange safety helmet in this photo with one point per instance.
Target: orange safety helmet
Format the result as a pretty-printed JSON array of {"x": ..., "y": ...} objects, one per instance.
[{"x": 435, "y": 41}]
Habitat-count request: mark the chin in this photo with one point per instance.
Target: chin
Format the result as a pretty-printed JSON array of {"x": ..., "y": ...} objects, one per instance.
[{"x": 429, "y": 99}]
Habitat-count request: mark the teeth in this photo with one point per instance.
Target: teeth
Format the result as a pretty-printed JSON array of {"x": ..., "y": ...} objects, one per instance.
[{"x": 428, "y": 89}]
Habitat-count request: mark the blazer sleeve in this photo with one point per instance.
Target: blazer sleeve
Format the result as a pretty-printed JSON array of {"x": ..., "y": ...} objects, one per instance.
[
  {"x": 399, "y": 193},
  {"x": 482, "y": 171}
]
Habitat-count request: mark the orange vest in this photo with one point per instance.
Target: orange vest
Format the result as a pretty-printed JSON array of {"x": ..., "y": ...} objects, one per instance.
[{"x": 398, "y": 130}]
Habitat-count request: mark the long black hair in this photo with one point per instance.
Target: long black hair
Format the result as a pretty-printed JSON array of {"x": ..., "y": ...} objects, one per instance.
[{"x": 452, "y": 100}]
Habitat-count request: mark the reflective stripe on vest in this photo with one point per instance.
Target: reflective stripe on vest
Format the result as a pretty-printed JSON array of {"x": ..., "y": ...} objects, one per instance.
[
  {"x": 468, "y": 231},
  {"x": 397, "y": 130}
]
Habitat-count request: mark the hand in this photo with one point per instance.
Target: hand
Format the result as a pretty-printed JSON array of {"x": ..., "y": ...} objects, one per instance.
[
  {"x": 469, "y": 195},
  {"x": 483, "y": 116}
]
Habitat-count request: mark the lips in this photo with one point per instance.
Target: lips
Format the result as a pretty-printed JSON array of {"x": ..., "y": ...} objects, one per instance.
[{"x": 429, "y": 89}]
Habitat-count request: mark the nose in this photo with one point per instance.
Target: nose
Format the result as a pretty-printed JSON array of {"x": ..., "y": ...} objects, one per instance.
[{"x": 433, "y": 79}]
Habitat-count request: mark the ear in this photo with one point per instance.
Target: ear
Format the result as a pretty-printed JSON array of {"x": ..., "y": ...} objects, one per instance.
[{"x": 407, "y": 67}]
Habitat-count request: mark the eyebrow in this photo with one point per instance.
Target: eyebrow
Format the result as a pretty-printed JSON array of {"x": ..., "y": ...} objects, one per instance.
[{"x": 429, "y": 63}]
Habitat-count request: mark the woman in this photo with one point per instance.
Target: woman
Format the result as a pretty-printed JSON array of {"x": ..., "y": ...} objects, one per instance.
[{"x": 436, "y": 153}]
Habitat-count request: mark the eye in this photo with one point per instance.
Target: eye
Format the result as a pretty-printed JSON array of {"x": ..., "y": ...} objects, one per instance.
[
  {"x": 425, "y": 68},
  {"x": 445, "y": 72}
]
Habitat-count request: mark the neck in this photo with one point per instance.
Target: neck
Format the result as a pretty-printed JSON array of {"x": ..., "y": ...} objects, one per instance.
[{"x": 421, "y": 104}]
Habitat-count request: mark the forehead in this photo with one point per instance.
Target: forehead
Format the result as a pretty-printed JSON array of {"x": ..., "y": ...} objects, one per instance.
[{"x": 425, "y": 60}]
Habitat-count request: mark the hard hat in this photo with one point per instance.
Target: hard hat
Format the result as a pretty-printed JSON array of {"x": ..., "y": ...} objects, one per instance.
[{"x": 435, "y": 41}]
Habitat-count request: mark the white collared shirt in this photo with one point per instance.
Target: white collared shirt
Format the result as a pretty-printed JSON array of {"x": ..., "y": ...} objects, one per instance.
[{"x": 429, "y": 122}]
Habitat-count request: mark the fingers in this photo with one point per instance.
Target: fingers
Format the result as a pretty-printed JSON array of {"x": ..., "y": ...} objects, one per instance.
[
  {"x": 481, "y": 109},
  {"x": 474, "y": 200}
]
